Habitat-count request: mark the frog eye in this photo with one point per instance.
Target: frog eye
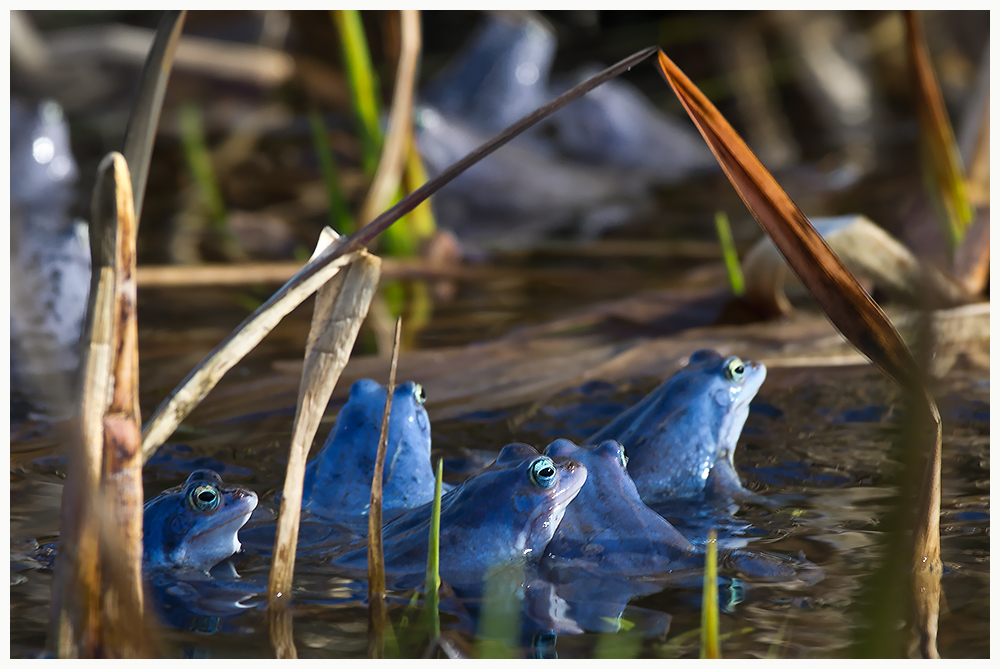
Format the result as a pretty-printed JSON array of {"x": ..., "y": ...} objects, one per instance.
[
  {"x": 419, "y": 394},
  {"x": 542, "y": 473},
  {"x": 204, "y": 498},
  {"x": 622, "y": 458},
  {"x": 734, "y": 369}
]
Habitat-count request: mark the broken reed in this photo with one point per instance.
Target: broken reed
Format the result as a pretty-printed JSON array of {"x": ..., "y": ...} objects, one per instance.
[{"x": 340, "y": 308}]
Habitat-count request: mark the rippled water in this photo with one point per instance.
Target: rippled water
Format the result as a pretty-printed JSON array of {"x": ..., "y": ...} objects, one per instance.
[{"x": 817, "y": 440}]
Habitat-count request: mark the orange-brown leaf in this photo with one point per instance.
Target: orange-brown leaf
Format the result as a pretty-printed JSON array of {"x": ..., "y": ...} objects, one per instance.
[{"x": 826, "y": 278}]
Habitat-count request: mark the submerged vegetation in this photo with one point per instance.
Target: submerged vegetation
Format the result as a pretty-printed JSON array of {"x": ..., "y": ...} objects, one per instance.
[{"x": 99, "y": 607}]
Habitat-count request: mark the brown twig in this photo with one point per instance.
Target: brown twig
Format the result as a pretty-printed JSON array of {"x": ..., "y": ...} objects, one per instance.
[{"x": 376, "y": 562}]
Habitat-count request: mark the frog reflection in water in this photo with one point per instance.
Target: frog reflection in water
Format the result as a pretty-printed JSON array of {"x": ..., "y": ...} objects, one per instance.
[
  {"x": 188, "y": 530},
  {"x": 194, "y": 526},
  {"x": 507, "y": 512},
  {"x": 680, "y": 438},
  {"x": 608, "y": 537},
  {"x": 338, "y": 480}
]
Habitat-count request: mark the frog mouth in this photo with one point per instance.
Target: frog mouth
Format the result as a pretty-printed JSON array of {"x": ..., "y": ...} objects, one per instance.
[
  {"x": 220, "y": 539},
  {"x": 545, "y": 517}
]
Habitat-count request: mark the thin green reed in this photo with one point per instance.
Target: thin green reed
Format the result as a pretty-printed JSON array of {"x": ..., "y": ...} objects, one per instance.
[
  {"x": 729, "y": 255},
  {"x": 338, "y": 213},
  {"x": 363, "y": 82},
  {"x": 433, "y": 560},
  {"x": 710, "y": 646}
]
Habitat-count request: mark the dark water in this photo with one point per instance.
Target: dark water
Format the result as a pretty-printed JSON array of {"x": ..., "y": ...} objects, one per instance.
[{"x": 819, "y": 441}]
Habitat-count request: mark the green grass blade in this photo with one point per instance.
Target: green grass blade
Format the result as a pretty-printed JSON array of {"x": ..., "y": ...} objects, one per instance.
[
  {"x": 199, "y": 163},
  {"x": 729, "y": 254},
  {"x": 400, "y": 240},
  {"x": 710, "y": 647},
  {"x": 501, "y": 612},
  {"x": 338, "y": 213},
  {"x": 422, "y": 218},
  {"x": 363, "y": 82},
  {"x": 433, "y": 548}
]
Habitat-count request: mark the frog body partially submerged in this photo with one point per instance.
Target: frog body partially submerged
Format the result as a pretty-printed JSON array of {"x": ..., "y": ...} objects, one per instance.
[
  {"x": 194, "y": 526},
  {"x": 338, "y": 480},
  {"x": 506, "y": 513},
  {"x": 681, "y": 438},
  {"x": 608, "y": 525}
]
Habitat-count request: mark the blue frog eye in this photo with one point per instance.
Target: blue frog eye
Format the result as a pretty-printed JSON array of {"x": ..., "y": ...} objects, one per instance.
[
  {"x": 734, "y": 369},
  {"x": 204, "y": 498},
  {"x": 419, "y": 394},
  {"x": 542, "y": 473}
]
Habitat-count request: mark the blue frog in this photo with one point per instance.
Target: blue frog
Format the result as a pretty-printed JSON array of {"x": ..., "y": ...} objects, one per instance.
[
  {"x": 194, "y": 526},
  {"x": 681, "y": 438},
  {"x": 338, "y": 480},
  {"x": 496, "y": 518}
]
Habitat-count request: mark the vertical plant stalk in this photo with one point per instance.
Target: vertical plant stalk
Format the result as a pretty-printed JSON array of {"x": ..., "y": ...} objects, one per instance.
[
  {"x": 140, "y": 133},
  {"x": 710, "y": 646},
  {"x": 925, "y": 559},
  {"x": 338, "y": 213},
  {"x": 75, "y": 603},
  {"x": 363, "y": 83},
  {"x": 392, "y": 161},
  {"x": 377, "y": 619},
  {"x": 121, "y": 489},
  {"x": 729, "y": 256},
  {"x": 942, "y": 163},
  {"x": 846, "y": 304},
  {"x": 433, "y": 581},
  {"x": 340, "y": 309}
]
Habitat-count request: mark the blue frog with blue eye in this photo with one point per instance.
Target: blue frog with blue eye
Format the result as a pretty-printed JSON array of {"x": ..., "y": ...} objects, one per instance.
[
  {"x": 194, "y": 526},
  {"x": 338, "y": 480},
  {"x": 505, "y": 513},
  {"x": 681, "y": 438}
]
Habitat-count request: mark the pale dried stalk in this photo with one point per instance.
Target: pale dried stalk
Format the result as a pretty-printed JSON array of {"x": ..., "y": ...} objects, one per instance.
[
  {"x": 925, "y": 579},
  {"x": 376, "y": 558},
  {"x": 75, "y": 604},
  {"x": 389, "y": 173},
  {"x": 340, "y": 309},
  {"x": 121, "y": 485}
]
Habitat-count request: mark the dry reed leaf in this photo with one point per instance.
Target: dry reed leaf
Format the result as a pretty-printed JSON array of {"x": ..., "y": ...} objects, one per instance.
[
  {"x": 75, "y": 607},
  {"x": 843, "y": 301},
  {"x": 341, "y": 307},
  {"x": 940, "y": 158},
  {"x": 121, "y": 483}
]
